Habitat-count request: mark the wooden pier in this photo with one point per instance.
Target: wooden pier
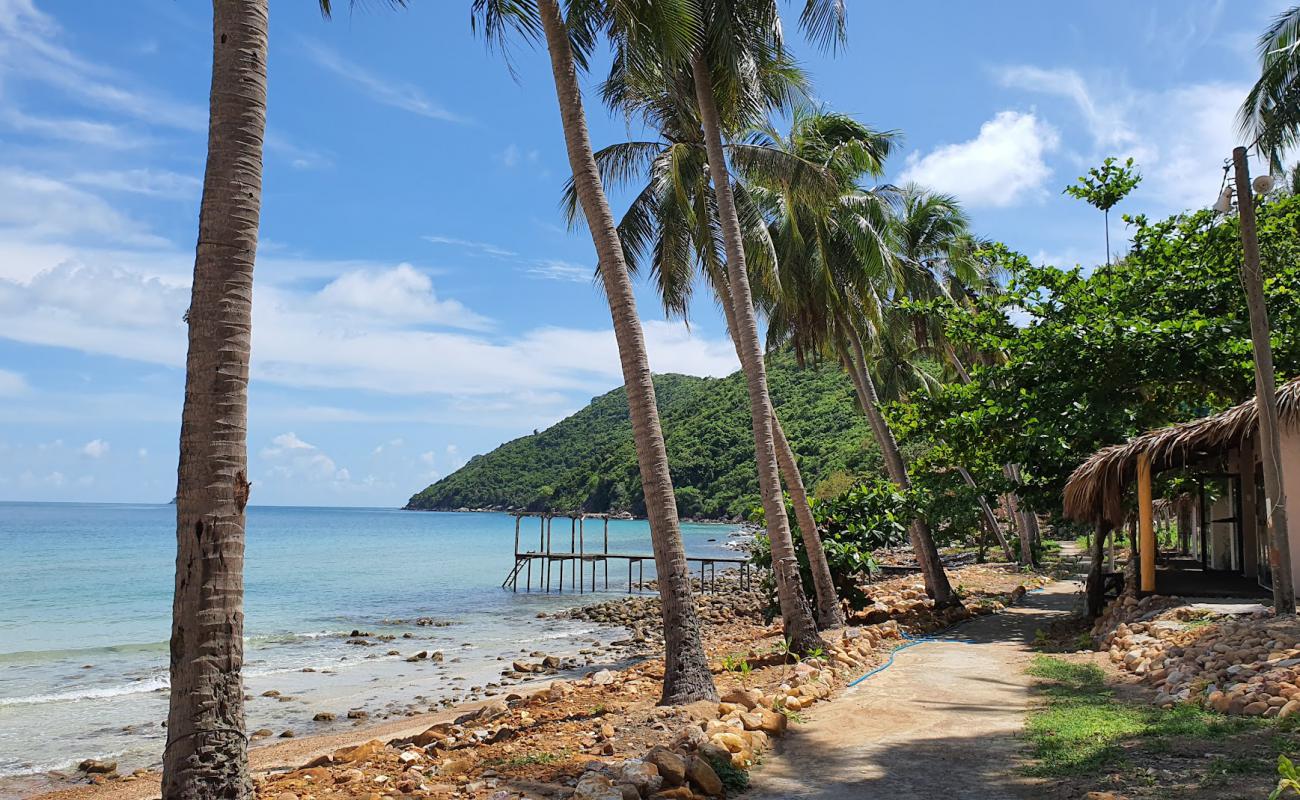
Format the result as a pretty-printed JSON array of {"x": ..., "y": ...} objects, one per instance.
[{"x": 577, "y": 557}]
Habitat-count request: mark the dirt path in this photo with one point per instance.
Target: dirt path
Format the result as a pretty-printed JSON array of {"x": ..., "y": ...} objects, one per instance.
[{"x": 940, "y": 723}]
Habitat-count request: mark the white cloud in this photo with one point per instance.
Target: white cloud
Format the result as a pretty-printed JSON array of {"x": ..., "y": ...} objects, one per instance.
[
  {"x": 1179, "y": 136},
  {"x": 556, "y": 270},
  {"x": 1106, "y": 122},
  {"x": 1193, "y": 130},
  {"x": 427, "y": 457},
  {"x": 1000, "y": 167},
  {"x": 46, "y": 208},
  {"x": 391, "y": 444},
  {"x": 81, "y": 131},
  {"x": 95, "y": 448},
  {"x": 28, "y": 479},
  {"x": 380, "y": 89},
  {"x": 290, "y": 457},
  {"x": 486, "y": 248},
  {"x": 154, "y": 183},
  {"x": 30, "y": 50},
  {"x": 514, "y": 156},
  {"x": 399, "y": 295},
  {"x": 12, "y": 384}
]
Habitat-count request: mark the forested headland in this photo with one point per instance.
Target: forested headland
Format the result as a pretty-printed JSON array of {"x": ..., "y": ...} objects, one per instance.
[{"x": 587, "y": 460}]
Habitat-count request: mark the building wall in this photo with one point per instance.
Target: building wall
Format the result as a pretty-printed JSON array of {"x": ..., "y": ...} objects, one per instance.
[{"x": 1291, "y": 485}]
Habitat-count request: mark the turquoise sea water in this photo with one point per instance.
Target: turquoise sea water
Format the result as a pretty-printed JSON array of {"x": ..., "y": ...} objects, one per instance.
[{"x": 86, "y": 591}]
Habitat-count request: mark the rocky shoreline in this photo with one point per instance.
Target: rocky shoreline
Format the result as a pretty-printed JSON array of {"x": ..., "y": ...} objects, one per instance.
[{"x": 594, "y": 732}]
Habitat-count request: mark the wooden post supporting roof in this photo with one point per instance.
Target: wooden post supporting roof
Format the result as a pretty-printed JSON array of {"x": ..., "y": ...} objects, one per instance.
[{"x": 1146, "y": 528}]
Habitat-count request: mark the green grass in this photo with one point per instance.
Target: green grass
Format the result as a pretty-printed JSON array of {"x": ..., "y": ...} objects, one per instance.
[
  {"x": 530, "y": 758},
  {"x": 1082, "y": 727}
]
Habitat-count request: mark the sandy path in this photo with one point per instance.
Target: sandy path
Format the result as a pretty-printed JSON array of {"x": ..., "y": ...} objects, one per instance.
[{"x": 940, "y": 723}]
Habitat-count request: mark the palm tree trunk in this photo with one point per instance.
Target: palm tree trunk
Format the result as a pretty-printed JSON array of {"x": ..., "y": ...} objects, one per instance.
[
  {"x": 1095, "y": 570},
  {"x": 796, "y": 616},
  {"x": 686, "y": 670},
  {"x": 206, "y": 755},
  {"x": 986, "y": 511},
  {"x": 1009, "y": 500},
  {"x": 829, "y": 613},
  {"x": 927, "y": 555},
  {"x": 1026, "y": 522}
]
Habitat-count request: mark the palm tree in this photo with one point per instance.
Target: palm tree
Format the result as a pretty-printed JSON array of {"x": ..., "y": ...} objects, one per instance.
[
  {"x": 672, "y": 226},
  {"x": 734, "y": 39},
  {"x": 1270, "y": 115},
  {"x": 744, "y": 40},
  {"x": 686, "y": 670},
  {"x": 840, "y": 271},
  {"x": 206, "y": 754}
]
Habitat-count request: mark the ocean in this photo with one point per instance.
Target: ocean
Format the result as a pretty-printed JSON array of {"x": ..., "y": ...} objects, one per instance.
[{"x": 87, "y": 589}]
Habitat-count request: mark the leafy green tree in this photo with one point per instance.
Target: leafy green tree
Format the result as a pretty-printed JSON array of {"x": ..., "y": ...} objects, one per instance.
[
  {"x": 1091, "y": 360},
  {"x": 1105, "y": 186}
]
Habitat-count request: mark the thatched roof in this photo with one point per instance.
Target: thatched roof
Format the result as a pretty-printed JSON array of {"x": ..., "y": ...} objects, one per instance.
[{"x": 1095, "y": 490}]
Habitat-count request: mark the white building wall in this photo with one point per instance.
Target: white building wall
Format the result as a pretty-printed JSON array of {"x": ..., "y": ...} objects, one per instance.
[{"x": 1291, "y": 485}]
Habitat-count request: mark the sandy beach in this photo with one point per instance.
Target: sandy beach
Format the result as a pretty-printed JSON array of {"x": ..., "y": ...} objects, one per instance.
[{"x": 540, "y": 737}]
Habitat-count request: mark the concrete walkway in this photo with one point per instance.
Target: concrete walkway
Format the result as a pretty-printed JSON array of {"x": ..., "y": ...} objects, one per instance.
[{"x": 942, "y": 722}]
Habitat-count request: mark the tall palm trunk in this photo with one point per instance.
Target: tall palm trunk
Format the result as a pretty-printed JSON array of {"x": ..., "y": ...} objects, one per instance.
[
  {"x": 829, "y": 614},
  {"x": 686, "y": 670},
  {"x": 206, "y": 754},
  {"x": 927, "y": 555},
  {"x": 1096, "y": 570},
  {"x": 1025, "y": 521},
  {"x": 986, "y": 511},
  {"x": 796, "y": 616}
]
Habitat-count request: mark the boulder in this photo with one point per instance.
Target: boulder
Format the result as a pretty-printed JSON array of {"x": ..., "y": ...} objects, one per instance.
[
  {"x": 362, "y": 752},
  {"x": 595, "y": 786},
  {"x": 703, "y": 777},
  {"x": 671, "y": 767},
  {"x": 642, "y": 775},
  {"x": 742, "y": 697},
  {"x": 773, "y": 723},
  {"x": 94, "y": 766}
]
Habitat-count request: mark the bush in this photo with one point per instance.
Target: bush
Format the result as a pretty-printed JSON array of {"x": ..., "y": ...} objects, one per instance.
[{"x": 869, "y": 516}]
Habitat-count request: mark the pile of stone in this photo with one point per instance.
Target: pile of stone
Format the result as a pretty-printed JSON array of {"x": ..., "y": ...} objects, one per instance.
[
  {"x": 910, "y": 606},
  {"x": 642, "y": 613},
  {"x": 1242, "y": 665}
]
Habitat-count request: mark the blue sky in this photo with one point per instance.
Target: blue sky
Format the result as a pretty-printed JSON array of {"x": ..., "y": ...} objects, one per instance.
[{"x": 418, "y": 297}]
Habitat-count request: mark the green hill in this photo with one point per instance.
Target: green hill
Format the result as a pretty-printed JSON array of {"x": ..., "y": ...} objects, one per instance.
[{"x": 587, "y": 460}]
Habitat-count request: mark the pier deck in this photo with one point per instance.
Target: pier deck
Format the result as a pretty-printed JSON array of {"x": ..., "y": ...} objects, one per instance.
[{"x": 577, "y": 557}]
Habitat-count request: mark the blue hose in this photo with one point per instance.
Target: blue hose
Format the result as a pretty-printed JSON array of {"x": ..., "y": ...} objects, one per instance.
[{"x": 913, "y": 641}]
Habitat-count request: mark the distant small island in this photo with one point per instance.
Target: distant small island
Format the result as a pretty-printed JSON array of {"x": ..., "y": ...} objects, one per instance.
[{"x": 587, "y": 460}]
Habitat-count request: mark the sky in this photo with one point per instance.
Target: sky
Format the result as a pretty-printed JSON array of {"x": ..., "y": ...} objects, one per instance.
[{"x": 419, "y": 298}]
